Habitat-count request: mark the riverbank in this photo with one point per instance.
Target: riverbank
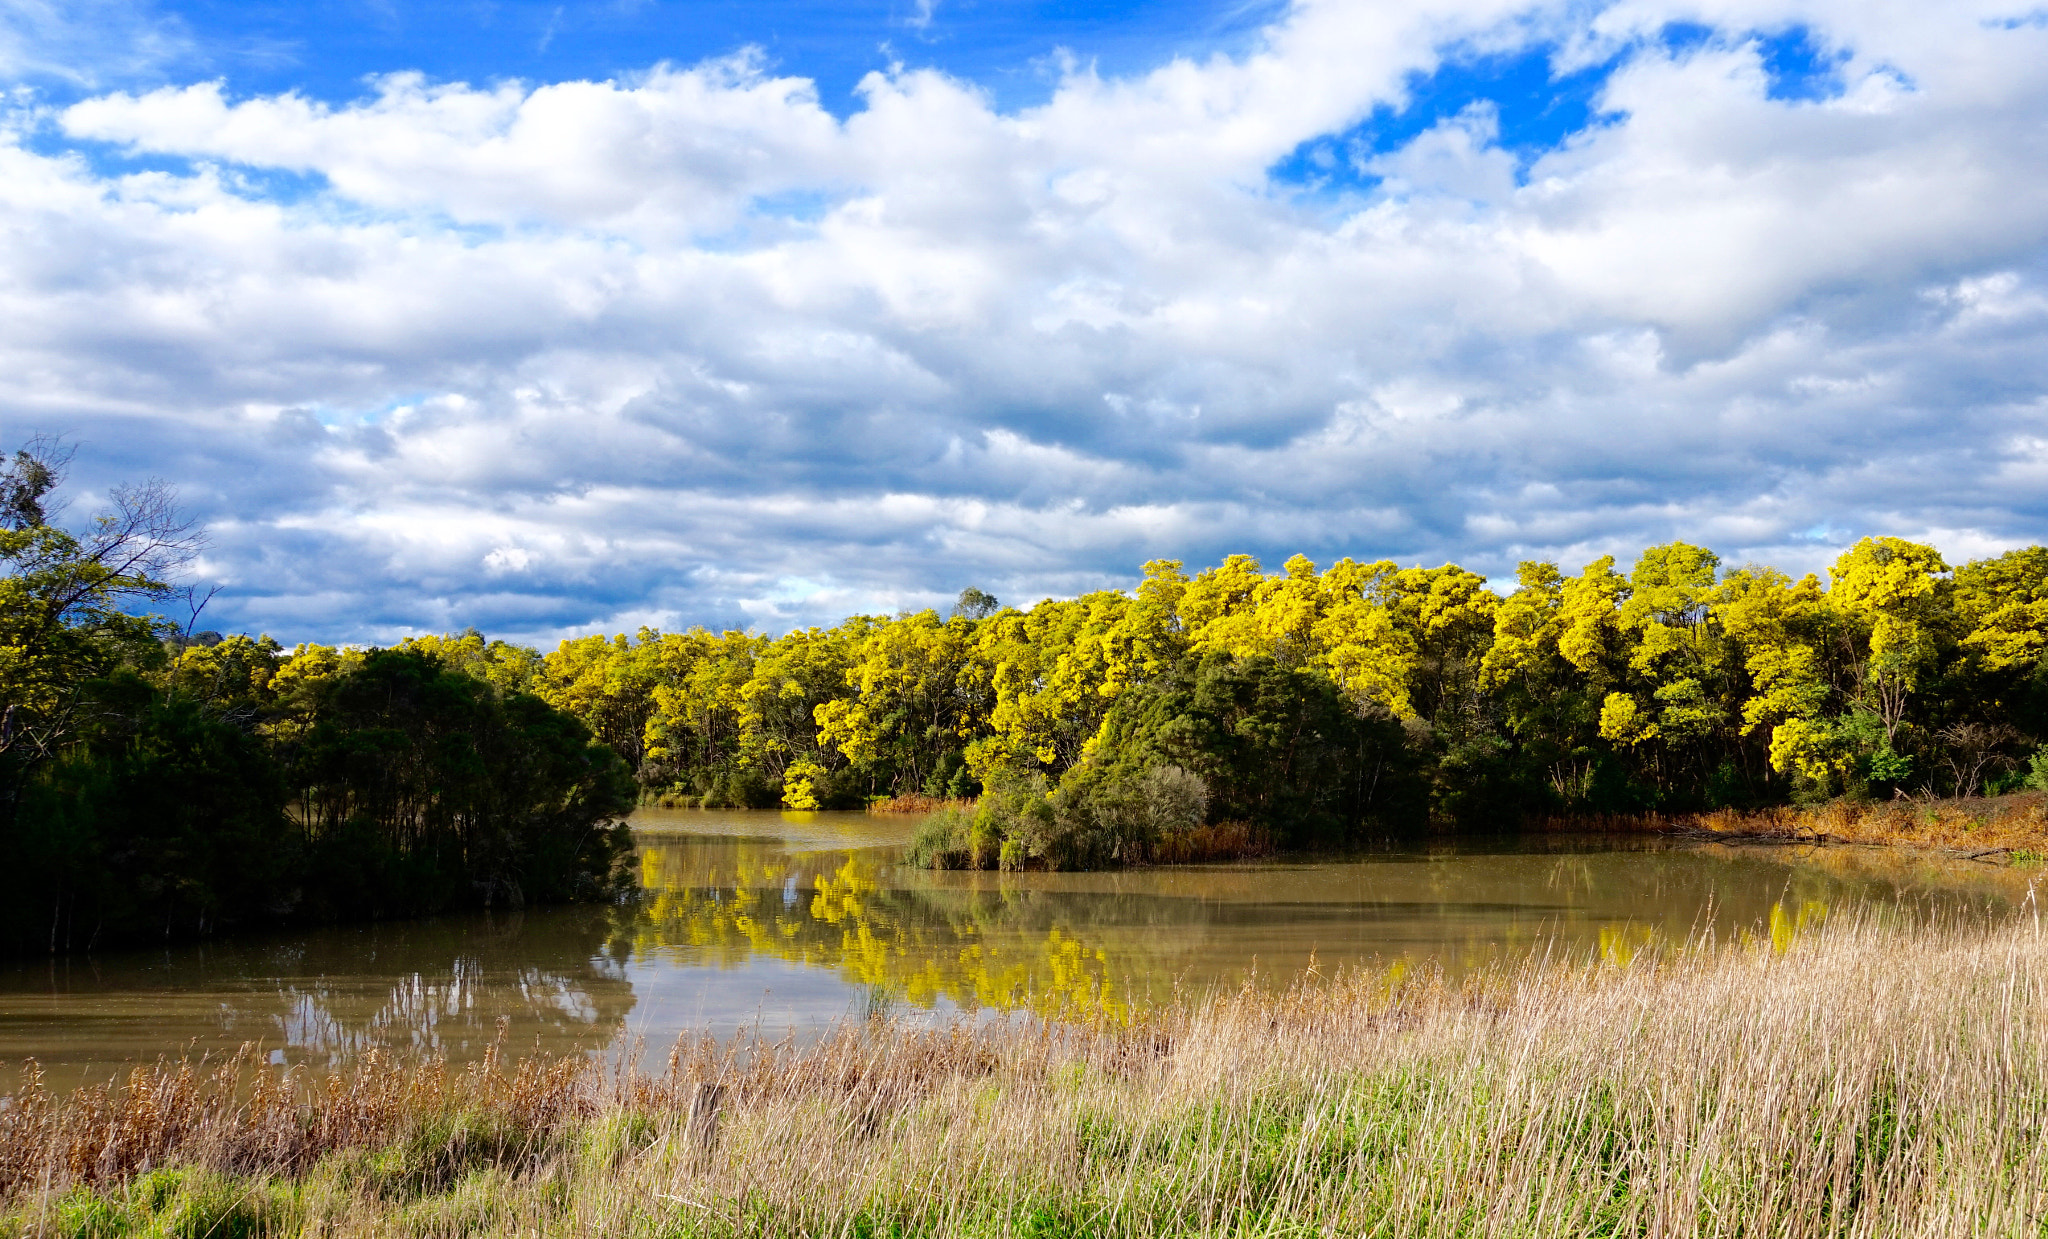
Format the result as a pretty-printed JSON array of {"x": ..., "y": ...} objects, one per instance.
[
  {"x": 1856, "y": 1077},
  {"x": 1989, "y": 827}
]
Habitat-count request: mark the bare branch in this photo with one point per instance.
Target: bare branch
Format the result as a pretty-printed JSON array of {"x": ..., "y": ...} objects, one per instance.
[
  {"x": 1975, "y": 750},
  {"x": 193, "y": 608}
]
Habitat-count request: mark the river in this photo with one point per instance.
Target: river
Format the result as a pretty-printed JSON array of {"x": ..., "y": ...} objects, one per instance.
[{"x": 791, "y": 921}]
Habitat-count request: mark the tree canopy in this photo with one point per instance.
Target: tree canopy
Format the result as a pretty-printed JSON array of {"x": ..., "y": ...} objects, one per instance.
[{"x": 1678, "y": 682}]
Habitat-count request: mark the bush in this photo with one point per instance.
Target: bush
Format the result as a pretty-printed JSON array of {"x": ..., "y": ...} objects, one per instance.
[
  {"x": 397, "y": 788},
  {"x": 2037, "y": 769},
  {"x": 742, "y": 789},
  {"x": 1090, "y": 822},
  {"x": 950, "y": 778},
  {"x": 941, "y": 840},
  {"x": 1274, "y": 745}
]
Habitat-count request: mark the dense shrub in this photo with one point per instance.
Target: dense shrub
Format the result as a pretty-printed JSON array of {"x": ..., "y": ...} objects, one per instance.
[
  {"x": 171, "y": 822},
  {"x": 1274, "y": 745},
  {"x": 395, "y": 788}
]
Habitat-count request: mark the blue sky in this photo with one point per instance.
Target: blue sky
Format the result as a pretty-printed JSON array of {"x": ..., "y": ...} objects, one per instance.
[
  {"x": 555, "y": 317},
  {"x": 327, "y": 50}
]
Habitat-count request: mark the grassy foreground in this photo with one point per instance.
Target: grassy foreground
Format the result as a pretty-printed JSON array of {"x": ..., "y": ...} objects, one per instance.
[{"x": 1858, "y": 1079}]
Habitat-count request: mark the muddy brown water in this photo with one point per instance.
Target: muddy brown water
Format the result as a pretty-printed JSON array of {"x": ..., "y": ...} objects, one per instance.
[{"x": 793, "y": 921}]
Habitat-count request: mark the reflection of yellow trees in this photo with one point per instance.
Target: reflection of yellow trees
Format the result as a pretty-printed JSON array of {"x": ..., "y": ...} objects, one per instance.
[
  {"x": 746, "y": 900},
  {"x": 1621, "y": 943},
  {"x": 1788, "y": 923}
]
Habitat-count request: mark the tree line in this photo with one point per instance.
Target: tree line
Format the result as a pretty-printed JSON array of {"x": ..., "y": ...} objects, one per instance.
[
  {"x": 1362, "y": 697},
  {"x": 156, "y": 784}
]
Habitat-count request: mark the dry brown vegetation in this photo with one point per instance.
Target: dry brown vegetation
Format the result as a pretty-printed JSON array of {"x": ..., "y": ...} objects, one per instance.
[
  {"x": 1980, "y": 825},
  {"x": 916, "y": 802},
  {"x": 1211, "y": 841},
  {"x": 1862, "y": 1078}
]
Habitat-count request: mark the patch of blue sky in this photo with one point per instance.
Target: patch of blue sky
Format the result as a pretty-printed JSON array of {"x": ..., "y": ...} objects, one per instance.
[
  {"x": 797, "y": 206},
  {"x": 111, "y": 161},
  {"x": 770, "y": 218},
  {"x": 1534, "y": 109},
  {"x": 1800, "y": 68},
  {"x": 1010, "y": 48},
  {"x": 2036, "y": 18},
  {"x": 1684, "y": 38},
  {"x": 334, "y": 418}
]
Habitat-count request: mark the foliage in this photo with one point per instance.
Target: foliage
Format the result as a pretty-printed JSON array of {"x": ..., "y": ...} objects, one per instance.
[
  {"x": 1329, "y": 703},
  {"x": 418, "y": 787},
  {"x": 1318, "y": 705},
  {"x": 155, "y": 784}
]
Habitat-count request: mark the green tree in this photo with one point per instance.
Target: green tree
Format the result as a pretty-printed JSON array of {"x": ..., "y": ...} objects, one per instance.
[
  {"x": 1277, "y": 745},
  {"x": 66, "y": 602},
  {"x": 420, "y": 788}
]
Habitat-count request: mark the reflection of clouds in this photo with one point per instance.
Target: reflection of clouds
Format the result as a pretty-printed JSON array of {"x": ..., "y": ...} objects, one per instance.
[
  {"x": 556, "y": 993},
  {"x": 409, "y": 1018},
  {"x": 413, "y": 1015},
  {"x": 559, "y": 976}
]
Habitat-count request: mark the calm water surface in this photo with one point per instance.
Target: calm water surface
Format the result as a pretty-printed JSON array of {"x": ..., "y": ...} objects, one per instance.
[{"x": 795, "y": 920}]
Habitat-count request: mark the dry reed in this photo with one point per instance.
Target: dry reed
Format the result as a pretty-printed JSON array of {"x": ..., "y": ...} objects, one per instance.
[
  {"x": 917, "y": 802},
  {"x": 1866, "y": 1078},
  {"x": 1978, "y": 825},
  {"x": 1219, "y": 841}
]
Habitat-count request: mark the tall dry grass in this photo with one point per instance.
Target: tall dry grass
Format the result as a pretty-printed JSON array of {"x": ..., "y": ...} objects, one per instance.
[
  {"x": 1235, "y": 840},
  {"x": 1862, "y": 1079}
]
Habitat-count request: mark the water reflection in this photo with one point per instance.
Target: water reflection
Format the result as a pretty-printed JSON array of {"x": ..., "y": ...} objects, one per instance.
[
  {"x": 554, "y": 978},
  {"x": 797, "y": 920},
  {"x": 872, "y": 923},
  {"x": 1102, "y": 944}
]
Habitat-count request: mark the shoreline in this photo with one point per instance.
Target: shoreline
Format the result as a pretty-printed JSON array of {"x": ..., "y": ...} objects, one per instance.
[{"x": 2014, "y": 826}]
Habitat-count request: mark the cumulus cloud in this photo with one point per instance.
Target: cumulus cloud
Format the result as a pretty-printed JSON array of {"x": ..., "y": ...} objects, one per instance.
[{"x": 685, "y": 347}]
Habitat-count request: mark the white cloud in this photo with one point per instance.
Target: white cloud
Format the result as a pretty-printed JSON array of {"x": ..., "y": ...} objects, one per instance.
[
  {"x": 85, "y": 41},
  {"x": 544, "y": 357}
]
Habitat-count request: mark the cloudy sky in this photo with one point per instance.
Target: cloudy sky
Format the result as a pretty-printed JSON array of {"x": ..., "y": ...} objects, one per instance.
[{"x": 554, "y": 317}]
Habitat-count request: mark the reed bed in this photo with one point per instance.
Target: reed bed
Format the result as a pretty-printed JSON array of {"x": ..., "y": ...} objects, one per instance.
[
  {"x": 918, "y": 802},
  {"x": 1985, "y": 826},
  {"x": 1208, "y": 841},
  {"x": 1866, "y": 1078}
]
